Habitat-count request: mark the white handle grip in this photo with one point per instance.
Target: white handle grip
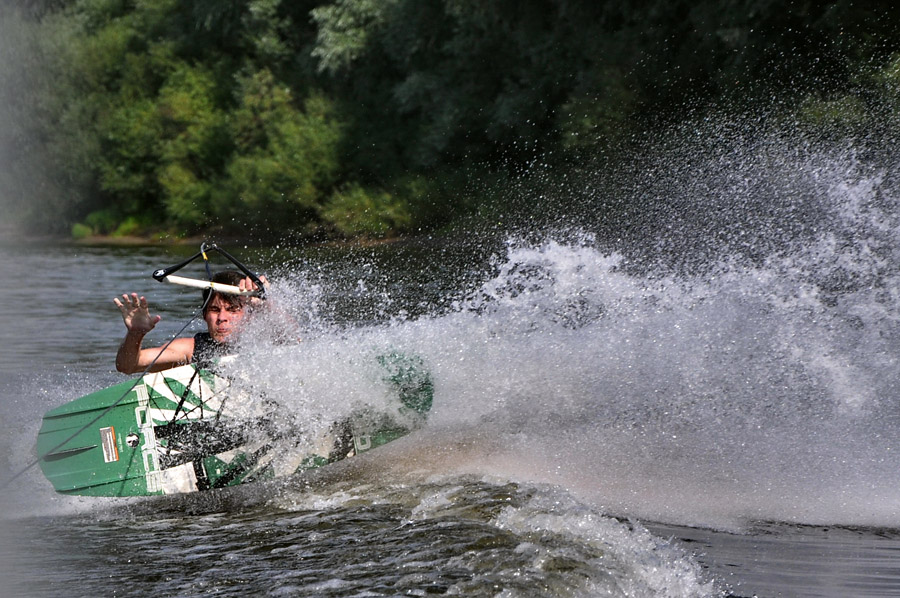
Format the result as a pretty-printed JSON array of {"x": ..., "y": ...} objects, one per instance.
[{"x": 205, "y": 284}]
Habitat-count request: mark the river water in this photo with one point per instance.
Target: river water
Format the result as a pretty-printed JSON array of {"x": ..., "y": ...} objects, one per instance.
[
  {"x": 551, "y": 465},
  {"x": 608, "y": 420}
]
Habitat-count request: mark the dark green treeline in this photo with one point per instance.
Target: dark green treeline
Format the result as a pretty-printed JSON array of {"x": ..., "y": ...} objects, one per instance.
[{"x": 379, "y": 117}]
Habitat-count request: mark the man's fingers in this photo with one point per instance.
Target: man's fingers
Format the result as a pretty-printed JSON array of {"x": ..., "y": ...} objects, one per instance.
[
  {"x": 124, "y": 306},
  {"x": 247, "y": 284},
  {"x": 131, "y": 303}
]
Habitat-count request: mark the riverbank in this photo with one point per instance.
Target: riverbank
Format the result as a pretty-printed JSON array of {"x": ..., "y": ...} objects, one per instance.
[
  {"x": 12, "y": 234},
  {"x": 10, "y": 237}
]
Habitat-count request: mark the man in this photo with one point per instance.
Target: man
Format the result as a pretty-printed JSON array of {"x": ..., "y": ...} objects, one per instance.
[{"x": 223, "y": 314}]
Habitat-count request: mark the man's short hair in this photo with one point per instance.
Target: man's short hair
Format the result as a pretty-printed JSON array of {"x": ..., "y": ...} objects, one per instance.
[{"x": 231, "y": 277}]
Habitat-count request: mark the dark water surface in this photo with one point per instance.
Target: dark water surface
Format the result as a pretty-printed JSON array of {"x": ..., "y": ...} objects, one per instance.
[{"x": 595, "y": 433}]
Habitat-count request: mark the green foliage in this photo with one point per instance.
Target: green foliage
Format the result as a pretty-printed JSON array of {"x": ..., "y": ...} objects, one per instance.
[
  {"x": 102, "y": 222},
  {"x": 131, "y": 226},
  {"x": 345, "y": 28},
  {"x": 126, "y": 166},
  {"x": 842, "y": 111},
  {"x": 287, "y": 159},
  {"x": 186, "y": 198},
  {"x": 81, "y": 231},
  {"x": 190, "y": 146},
  {"x": 355, "y": 211},
  {"x": 373, "y": 116},
  {"x": 584, "y": 120},
  {"x": 869, "y": 109},
  {"x": 266, "y": 30}
]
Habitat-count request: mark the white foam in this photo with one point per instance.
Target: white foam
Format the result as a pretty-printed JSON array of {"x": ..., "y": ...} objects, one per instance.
[{"x": 747, "y": 391}]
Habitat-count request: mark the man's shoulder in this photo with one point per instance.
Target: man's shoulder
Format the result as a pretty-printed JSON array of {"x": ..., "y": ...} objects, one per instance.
[{"x": 184, "y": 343}]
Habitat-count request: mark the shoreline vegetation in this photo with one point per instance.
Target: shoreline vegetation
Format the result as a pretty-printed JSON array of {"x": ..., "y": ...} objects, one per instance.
[
  {"x": 192, "y": 241},
  {"x": 10, "y": 235},
  {"x": 329, "y": 120}
]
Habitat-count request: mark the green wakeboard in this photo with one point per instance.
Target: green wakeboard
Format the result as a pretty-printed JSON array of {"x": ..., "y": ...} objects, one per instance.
[{"x": 177, "y": 431}]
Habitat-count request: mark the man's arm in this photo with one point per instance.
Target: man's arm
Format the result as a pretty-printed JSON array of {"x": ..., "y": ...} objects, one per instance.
[{"x": 131, "y": 358}]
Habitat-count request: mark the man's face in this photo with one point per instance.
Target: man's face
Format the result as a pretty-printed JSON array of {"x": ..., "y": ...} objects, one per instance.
[{"x": 221, "y": 318}]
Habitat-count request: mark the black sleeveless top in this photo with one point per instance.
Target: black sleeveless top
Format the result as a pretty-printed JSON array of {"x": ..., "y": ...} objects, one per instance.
[{"x": 206, "y": 350}]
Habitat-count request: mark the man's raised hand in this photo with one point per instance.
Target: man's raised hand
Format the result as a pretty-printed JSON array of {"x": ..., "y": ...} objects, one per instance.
[{"x": 136, "y": 314}]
